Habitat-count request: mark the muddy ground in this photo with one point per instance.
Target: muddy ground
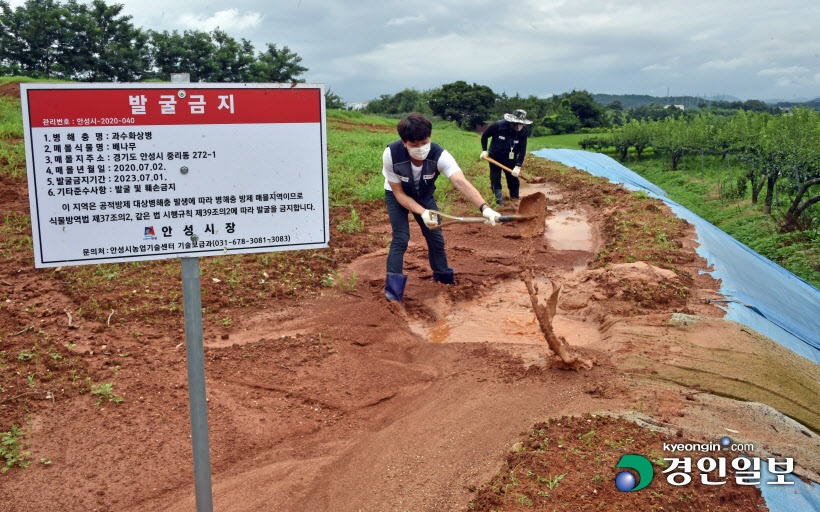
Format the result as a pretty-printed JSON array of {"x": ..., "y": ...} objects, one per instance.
[{"x": 324, "y": 396}]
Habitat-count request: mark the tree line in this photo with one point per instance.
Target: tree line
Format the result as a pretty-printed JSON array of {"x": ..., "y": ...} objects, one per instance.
[
  {"x": 474, "y": 105},
  {"x": 779, "y": 151},
  {"x": 572, "y": 112},
  {"x": 95, "y": 42}
]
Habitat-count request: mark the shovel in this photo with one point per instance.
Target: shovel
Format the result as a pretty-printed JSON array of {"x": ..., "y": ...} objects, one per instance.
[
  {"x": 528, "y": 180},
  {"x": 532, "y": 212}
]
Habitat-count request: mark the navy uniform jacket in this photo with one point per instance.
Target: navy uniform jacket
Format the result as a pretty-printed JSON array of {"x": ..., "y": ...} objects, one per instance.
[
  {"x": 422, "y": 191},
  {"x": 506, "y": 139}
]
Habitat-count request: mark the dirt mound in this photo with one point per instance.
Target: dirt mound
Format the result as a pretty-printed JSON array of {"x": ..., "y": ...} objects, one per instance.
[
  {"x": 10, "y": 89},
  {"x": 568, "y": 460},
  {"x": 623, "y": 289}
]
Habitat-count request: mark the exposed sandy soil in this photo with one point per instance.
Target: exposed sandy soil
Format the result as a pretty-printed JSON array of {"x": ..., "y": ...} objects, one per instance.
[
  {"x": 10, "y": 89},
  {"x": 349, "y": 126},
  {"x": 330, "y": 398}
]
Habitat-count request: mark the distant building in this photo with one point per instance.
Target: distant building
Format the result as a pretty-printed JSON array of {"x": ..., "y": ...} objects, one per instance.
[
  {"x": 357, "y": 106},
  {"x": 679, "y": 107},
  {"x": 785, "y": 110}
]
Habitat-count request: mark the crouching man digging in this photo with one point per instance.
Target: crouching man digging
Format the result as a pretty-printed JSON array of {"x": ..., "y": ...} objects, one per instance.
[{"x": 411, "y": 167}]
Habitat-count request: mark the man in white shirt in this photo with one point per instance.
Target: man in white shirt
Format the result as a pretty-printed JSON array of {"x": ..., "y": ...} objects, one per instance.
[{"x": 411, "y": 167}]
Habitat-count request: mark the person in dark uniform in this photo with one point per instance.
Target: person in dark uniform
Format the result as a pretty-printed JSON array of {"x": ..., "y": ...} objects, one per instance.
[
  {"x": 508, "y": 147},
  {"x": 411, "y": 166}
]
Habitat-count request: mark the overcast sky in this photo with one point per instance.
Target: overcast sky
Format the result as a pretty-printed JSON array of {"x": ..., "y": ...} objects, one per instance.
[{"x": 750, "y": 49}]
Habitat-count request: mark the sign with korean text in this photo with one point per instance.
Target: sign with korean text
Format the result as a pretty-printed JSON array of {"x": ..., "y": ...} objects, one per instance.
[{"x": 127, "y": 172}]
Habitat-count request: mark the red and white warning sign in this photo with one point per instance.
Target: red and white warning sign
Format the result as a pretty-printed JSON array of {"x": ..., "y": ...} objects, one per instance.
[{"x": 125, "y": 172}]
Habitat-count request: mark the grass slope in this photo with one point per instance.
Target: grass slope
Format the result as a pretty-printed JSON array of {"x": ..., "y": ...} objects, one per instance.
[
  {"x": 699, "y": 189},
  {"x": 356, "y": 142}
]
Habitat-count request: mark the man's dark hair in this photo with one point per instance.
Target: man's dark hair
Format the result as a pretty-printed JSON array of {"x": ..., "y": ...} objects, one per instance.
[{"x": 414, "y": 127}]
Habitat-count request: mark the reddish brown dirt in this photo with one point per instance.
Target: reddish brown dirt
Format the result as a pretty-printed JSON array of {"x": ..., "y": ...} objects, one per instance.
[
  {"x": 349, "y": 126},
  {"x": 320, "y": 395},
  {"x": 570, "y": 460},
  {"x": 10, "y": 89}
]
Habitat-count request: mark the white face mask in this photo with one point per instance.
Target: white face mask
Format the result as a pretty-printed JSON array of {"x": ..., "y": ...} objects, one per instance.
[{"x": 419, "y": 153}]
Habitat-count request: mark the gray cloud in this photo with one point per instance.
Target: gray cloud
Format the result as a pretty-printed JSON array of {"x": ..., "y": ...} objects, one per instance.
[
  {"x": 406, "y": 19},
  {"x": 229, "y": 20},
  {"x": 794, "y": 70},
  {"x": 368, "y": 48},
  {"x": 656, "y": 67}
]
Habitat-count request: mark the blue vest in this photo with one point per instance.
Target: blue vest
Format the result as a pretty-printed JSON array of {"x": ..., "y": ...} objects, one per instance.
[
  {"x": 506, "y": 139},
  {"x": 423, "y": 190}
]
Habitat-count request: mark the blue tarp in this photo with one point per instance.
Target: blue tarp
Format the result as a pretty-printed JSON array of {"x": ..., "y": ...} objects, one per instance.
[
  {"x": 799, "y": 497},
  {"x": 764, "y": 296}
]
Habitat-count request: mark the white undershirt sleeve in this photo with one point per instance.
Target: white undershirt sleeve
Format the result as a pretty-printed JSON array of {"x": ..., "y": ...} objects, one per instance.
[
  {"x": 447, "y": 164},
  {"x": 387, "y": 170}
]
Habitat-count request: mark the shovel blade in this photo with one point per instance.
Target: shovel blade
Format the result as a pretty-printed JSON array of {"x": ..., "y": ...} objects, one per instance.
[{"x": 535, "y": 207}]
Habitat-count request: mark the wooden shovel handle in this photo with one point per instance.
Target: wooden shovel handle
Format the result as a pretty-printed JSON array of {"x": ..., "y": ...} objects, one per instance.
[
  {"x": 487, "y": 158},
  {"x": 461, "y": 220}
]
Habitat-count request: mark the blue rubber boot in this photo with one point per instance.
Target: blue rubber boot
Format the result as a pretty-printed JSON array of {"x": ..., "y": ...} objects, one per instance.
[
  {"x": 394, "y": 286},
  {"x": 498, "y": 199},
  {"x": 444, "y": 277}
]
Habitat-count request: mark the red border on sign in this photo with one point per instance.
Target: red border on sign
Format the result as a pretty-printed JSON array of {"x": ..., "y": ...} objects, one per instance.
[{"x": 172, "y": 106}]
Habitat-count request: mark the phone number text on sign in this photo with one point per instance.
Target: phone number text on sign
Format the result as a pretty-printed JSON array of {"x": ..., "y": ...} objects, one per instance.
[{"x": 251, "y": 177}]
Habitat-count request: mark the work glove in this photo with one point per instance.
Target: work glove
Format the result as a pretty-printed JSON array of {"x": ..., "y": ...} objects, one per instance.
[
  {"x": 516, "y": 171},
  {"x": 491, "y": 216},
  {"x": 483, "y": 155},
  {"x": 430, "y": 219}
]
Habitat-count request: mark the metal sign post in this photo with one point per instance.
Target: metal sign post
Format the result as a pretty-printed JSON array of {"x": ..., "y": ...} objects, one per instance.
[
  {"x": 195, "y": 360},
  {"x": 195, "y": 355},
  {"x": 131, "y": 172}
]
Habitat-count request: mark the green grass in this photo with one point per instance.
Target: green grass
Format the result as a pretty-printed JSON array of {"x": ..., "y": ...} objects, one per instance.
[
  {"x": 11, "y": 118},
  {"x": 13, "y": 155},
  {"x": 355, "y": 159},
  {"x": 105, "y": 393},
  {"x": 15, "y": 233},
  {"x": 698, "y": 187},
  {"x": 566, "y": 141},
  {"x": 7, "y": 79},
  {"x": 361, "y": 117},
  {"x": 11, "y": 449},
  {"x": 353, "y": 224}
]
